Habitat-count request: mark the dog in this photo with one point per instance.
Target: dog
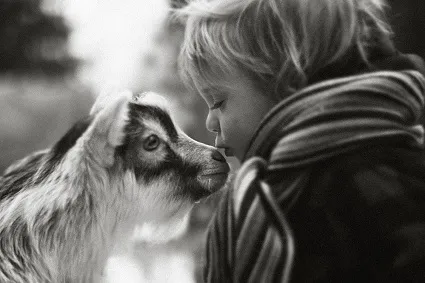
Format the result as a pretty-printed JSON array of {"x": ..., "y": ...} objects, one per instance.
[{"x": 65, "y": 209}]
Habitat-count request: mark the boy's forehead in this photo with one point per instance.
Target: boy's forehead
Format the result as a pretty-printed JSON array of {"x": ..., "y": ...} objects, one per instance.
[
  {"x": 211, "y": 93},
  {"x": 222, "y": 83},
  {"x": 211, "y": 73}
]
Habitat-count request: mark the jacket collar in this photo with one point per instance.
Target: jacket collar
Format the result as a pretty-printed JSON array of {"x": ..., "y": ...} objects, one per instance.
[{"x": 382, "y": 57}]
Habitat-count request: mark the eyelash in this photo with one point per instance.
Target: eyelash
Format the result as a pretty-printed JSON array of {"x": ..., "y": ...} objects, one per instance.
[{"x": 217, "y": 105}]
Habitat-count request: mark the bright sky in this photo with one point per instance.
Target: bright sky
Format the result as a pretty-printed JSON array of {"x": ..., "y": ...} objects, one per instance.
[{"x": 112, "y": 34}]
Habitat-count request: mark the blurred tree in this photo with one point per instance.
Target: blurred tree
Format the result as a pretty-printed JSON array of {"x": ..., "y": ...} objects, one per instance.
[
  {"x": 39, "y": 96},
  {"x": 32, "y": 41}
]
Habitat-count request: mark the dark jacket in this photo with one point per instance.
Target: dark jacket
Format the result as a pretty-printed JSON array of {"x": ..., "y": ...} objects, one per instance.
[{"x": 360, "y": 216}]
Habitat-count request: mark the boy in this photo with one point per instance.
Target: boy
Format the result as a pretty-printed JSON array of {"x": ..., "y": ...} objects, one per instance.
[{"x": 324, "y": 114}]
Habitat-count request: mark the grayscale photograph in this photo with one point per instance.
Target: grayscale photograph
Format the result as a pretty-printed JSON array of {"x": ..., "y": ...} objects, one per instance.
[{"x": 212, "y": 141}]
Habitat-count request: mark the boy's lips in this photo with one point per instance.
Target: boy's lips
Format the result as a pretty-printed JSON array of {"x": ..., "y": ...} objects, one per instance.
[{"x": 228, "y": 151}]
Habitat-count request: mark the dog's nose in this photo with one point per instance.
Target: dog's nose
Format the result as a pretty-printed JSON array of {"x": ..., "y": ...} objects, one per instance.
[{"x": 217, "y": 156}]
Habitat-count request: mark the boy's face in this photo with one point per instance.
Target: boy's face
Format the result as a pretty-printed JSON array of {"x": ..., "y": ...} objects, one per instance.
[{"x": 236, "y": 109}]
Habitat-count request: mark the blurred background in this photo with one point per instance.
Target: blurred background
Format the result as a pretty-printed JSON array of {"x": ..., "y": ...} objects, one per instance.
[{"x": 57, "y": 55}]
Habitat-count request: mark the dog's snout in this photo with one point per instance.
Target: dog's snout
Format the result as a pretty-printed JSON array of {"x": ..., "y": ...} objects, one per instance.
[{"x": 217, "y": 156}]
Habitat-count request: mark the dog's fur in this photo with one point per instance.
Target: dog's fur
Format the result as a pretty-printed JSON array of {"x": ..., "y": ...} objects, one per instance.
[{"x": 63, "y": 210}]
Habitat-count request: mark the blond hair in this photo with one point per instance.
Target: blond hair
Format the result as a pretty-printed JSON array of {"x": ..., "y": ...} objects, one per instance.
[{"x": 278, "y": 44}]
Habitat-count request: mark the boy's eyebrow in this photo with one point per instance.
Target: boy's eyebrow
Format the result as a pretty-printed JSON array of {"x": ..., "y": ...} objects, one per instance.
[
  {"x": 211, "y": 90},
  {"x": 207, "y": 90}
]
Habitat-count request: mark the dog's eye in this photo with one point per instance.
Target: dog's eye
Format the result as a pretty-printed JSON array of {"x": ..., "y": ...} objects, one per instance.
[{"x": 151, "y": 143}]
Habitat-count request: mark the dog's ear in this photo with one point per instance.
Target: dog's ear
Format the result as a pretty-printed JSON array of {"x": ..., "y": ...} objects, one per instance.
[
  {"x": 107, "y": 97},
  {"x": 152, "y": 98},
  {"x": 107, "y": 131}
]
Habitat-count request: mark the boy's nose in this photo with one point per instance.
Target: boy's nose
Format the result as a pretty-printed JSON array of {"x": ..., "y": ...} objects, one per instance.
[
  {"x": 217, "y": 156},
  {"x": 212, "y": 123}
]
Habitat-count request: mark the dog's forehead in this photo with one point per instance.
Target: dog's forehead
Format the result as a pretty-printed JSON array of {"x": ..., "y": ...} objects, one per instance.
[
  {"x": 154, "y": 112},
  {"x": 154, "y": 125},
  {"x": 152, "y": 99}
]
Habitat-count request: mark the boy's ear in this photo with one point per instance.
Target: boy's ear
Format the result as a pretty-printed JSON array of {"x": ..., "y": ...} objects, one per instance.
[{"x": 107, "y": 131}]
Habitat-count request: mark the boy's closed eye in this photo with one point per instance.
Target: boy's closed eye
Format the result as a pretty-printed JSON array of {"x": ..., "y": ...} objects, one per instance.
[
  {"x": 217, "y": 105},
  {"x": 215, "y": 97}
]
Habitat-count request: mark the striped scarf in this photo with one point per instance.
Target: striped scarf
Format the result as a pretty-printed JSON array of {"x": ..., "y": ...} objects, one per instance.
[{"x": 249, "y": 239}]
